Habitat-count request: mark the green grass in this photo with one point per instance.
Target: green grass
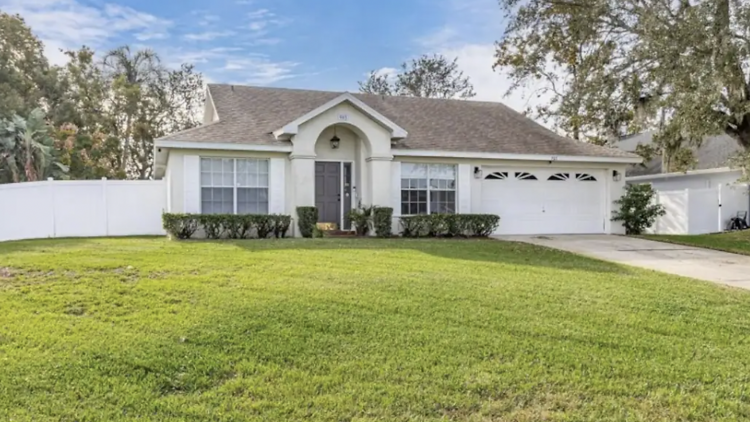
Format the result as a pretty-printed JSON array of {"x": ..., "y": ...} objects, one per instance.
[
  {"x": 360, "y": 330},
  {"x": 735, "y": 242}
]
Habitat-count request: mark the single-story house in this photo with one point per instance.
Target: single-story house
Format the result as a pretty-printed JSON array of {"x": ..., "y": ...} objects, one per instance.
[
  {"x": 270, "y": 150},
  {"x": 711, "y": 170}
]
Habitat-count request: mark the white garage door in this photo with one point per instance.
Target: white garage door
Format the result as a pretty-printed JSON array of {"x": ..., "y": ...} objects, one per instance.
[{"x": 545, "y": 201}]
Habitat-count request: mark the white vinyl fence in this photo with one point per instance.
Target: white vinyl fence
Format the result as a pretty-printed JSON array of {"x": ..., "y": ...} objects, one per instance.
[
  {"x": 700, "y": 211},
  {"x": 81, "y": 208}
]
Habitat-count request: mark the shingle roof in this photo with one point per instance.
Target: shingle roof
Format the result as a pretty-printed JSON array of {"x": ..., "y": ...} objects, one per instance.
[
  {"x": 249, "y": 115},
  {"x": 714, "y": 152}
]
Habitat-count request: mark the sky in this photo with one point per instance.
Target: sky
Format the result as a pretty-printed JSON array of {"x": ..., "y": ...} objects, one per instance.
[{"x": 311, "y": 44}]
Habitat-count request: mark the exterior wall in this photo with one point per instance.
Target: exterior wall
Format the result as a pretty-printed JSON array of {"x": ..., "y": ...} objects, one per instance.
[
  {"x": 613, "y": 189},
  {"x": 177, "y": 176}
]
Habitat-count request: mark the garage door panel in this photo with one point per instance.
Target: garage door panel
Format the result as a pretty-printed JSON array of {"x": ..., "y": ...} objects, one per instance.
[{"x": 545, "y": 206}]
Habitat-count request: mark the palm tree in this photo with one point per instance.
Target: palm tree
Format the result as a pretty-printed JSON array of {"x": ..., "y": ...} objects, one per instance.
[
  {"x": 26, "y": 144},
  {"x": 137, "y": 69},
  {"x": 132, "y": 73}
]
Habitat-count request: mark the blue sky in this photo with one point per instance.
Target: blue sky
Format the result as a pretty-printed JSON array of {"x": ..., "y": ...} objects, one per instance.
[{"x": 315, "y": 44}]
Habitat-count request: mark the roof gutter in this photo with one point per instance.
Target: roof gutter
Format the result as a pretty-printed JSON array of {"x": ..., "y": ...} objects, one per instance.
[
  {"x": 221, "y": 145},
  {"x": 525, "y": 157},
  {"x": 679, "y": 174}
]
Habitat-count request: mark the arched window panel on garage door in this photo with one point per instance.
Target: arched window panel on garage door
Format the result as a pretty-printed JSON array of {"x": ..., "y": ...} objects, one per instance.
[
  {"x": 522, "y": 175},
  {"x": 559, "y": 177},
  {"x": 497, "y": 175},
  {"x": 583, "y": 177}
]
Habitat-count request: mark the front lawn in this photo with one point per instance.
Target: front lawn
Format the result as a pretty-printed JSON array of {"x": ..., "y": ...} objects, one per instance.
[
  {"x": 360, "y": 330},
  {"x": 735, "y": 242}
]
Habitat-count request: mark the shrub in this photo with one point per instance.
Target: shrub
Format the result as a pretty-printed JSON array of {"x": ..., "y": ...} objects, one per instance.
[
  {"x": 637, "y": 209},
  {"x": 413, "y": 226},
  {"x": 360, "y": 219},
  {"x": 449, "y": 225},
  {"x": 382, "y": 221},
  {"x": 480, "y": 225},
  {"x": 180, "y": 226},
  {"x": 264, "y": 225},
  {"x": 238, "y": 226},
  {"x": 307, "y": 219},
  {"x": 281, "y": 225},
  {"x": 213, "y": 225}
]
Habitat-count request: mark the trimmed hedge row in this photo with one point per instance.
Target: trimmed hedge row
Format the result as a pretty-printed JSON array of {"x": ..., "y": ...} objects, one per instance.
[
  {"x": 449, "y": 225},
  {"x": 217, "y": 226}
]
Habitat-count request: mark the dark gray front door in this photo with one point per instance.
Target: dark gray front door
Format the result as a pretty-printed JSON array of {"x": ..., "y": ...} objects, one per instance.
[{"x": 328, "y": 192}]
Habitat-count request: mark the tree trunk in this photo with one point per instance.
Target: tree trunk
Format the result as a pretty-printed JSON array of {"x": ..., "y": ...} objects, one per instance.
[{"x": 741, "y": 133}]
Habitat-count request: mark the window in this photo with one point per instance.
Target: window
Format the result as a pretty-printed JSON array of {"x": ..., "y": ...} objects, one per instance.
[
  {"x": 498, "y": 175},
  {"x": 583, "y": 177},
  {"x": 560, "y": 177},
  {"x": 525, "y": 176},
  {"x": 234, "y": 186},
  {"x": 428, "y": 189}
]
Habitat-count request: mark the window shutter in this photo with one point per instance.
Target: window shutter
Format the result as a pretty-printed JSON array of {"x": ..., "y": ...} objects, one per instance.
[
  {"x": 464, "y": 189},
  {"x": 277, "y": 186},
  {"x": 192, "y": 181}
]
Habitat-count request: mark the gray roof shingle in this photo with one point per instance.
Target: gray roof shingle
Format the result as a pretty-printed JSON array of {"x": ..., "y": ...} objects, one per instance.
[
  {"x": 714, "y": 152},
  {"x": 249, "y": 115}
]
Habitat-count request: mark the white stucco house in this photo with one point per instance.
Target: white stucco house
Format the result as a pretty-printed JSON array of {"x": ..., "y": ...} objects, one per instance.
[{"x": 270, "y": 150}]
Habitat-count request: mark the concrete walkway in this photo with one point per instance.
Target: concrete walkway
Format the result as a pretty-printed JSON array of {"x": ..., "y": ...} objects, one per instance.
[{"x": 718, "y": 267}]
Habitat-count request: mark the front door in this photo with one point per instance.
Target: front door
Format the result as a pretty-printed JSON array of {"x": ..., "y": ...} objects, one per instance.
[{"x": 328, "y": 192}]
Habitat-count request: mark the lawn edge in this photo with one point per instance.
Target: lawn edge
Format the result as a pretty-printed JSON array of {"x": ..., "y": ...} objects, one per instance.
[{"x": 677, "y": 242}]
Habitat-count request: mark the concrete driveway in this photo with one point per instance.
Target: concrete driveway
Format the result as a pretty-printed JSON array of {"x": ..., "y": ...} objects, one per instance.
[{"x": 718, "y": 267}]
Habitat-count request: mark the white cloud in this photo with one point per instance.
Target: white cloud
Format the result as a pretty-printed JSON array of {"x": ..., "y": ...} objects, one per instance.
[
  {"x": 260, "y": 14},
  {"x": 389, "y": 72},
  {"x": 260, "y": 70},
  {"x": 208, "y": 35},
  {"x": 70, "y": 24}
]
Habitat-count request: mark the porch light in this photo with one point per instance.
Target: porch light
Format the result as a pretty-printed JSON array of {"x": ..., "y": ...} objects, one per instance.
[
  {"x": 335, "y": 141},
  {"x": 477, "y": 172},
  {"x": 616, "y": 175}
]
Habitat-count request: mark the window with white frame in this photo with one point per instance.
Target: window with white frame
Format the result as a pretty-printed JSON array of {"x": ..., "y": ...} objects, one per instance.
[
  {"x": 428, "y": 189},
  {"x": 234, "y": 186}
]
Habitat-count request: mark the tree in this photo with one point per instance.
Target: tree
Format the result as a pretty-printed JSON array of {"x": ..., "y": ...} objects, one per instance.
[
  {"x": 686, "y": 58},
  {"x": 26, "y": 79},
  {"x": 427, "y": 76},
  {"x": 27, "y": 149},
  {"x": 148, "y": 101}
]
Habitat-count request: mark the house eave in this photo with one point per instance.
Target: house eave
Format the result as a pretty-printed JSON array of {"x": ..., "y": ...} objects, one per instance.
[
  {"x": 226, "y": 146},
  {"x": 520, "y": 157}
]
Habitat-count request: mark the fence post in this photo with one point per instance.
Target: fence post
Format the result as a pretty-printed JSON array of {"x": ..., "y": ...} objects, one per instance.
[
  {"x": 106, "y": 208},
  {"x": 719, "y": 195},
  {"x": 687, "y": 211},
  {"x": 54, "y": 212}
]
